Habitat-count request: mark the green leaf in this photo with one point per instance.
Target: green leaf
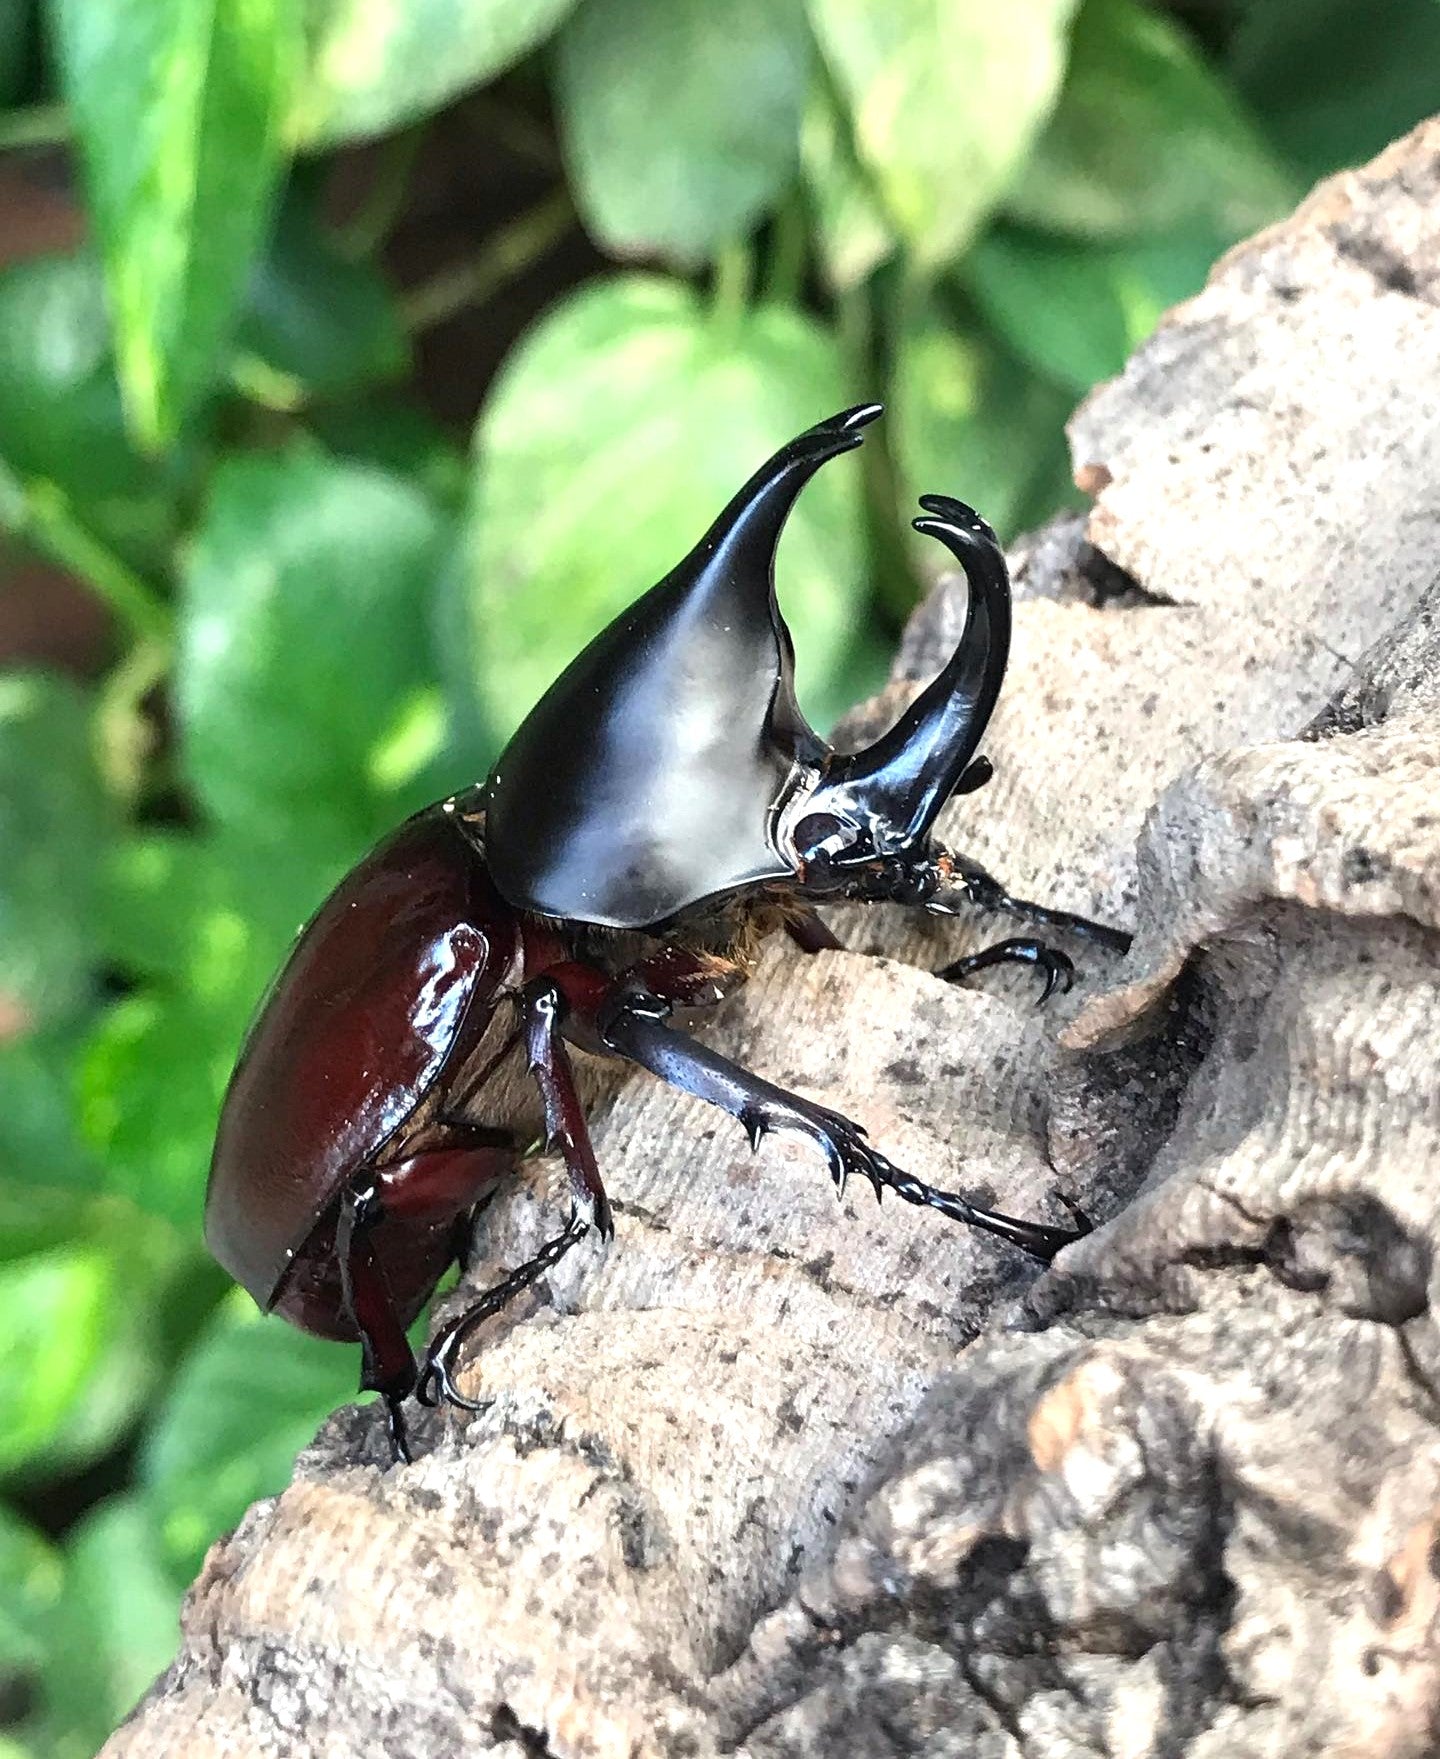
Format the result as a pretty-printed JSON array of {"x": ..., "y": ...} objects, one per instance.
[
  {"x": 54, "y": 822},
  {"x": 617, "y": 431},
  {"x": 304, "y": 651},
  {"x": 316, "y": 317},
  {"x": 201, "y": 912},
  {"x": 15, "y": 18},
  {"x": 82, "y": 1349},
  {"x": 60, "y": 415},
  {"x": 30, "y": 1579},
  {"x": 1146, "y": 137},
  {"x": 44, "y": 1168},
  {"x": 378, "y": 64},
  {"x": 945, "y": 100},
  {"x": 161, "y": 893},
  {"x": 681, "y": 121},
  {"x": 971, "y": 420},
  {"x": 116, "y": 1627},
  {"x": 152, "y": 1079},
  {"x": 1334, "y": 81},
  {"x": 201, "y": 925},
  {"x": 398, "y": 436},
  {"x": 1074, "y": 311},
  {"x": 178, "y": 105},
  {"x": 853, "y": 230},
  {"x": 249, "y": 1396}
]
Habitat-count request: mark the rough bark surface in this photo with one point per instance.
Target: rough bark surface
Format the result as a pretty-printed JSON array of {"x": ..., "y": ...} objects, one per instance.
[{"x": 776, "y": 1477}]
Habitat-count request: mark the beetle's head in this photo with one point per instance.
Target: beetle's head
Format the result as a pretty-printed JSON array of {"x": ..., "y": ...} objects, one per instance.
[{"x": 670, "y": 765}]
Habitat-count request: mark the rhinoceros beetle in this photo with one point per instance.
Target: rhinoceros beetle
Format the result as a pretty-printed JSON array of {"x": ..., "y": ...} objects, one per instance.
[{"x": 663, "y": 808}]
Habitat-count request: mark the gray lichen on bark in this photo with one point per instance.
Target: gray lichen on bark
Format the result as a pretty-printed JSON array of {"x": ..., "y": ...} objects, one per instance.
[{"x": 774, "y": 1477}]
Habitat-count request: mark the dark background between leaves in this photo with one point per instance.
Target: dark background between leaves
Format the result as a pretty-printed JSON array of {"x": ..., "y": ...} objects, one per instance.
[{"x": 358, "y": 359}]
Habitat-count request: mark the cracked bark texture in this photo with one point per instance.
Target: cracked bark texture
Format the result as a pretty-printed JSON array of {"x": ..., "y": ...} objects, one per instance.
[{"x": 776, "y": 1477}]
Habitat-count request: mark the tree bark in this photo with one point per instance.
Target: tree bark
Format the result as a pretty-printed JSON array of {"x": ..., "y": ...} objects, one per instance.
[{"x": 778, "y": 1477}]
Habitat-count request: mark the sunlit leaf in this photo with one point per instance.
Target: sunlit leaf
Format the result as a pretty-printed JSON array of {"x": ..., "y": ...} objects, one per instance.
[
  {"x": 1146, "y": 137},
  {"x": 152, "y": 1080},
  {"x": 681, "y": 121},
  {"x": 119, "y": 1611},
  {"x": 178, "y": 105},
  {"x": 54, "y": 823},
  {"x": 82, "y": 1347},
  {"x": 30, "y": 1578},
  {"x": 1077, "y": 311},
  {"x": 60, "y": 414},
  {"x": 971, "y": 420},
  {"x": 618, "y": 430},
  {"x": 1336, "y": 82},
  {"x": 945, "y": 100},
  {"x": 377, "y": 64},
  {"x": 250, "y": 1395},
  {"x": 200, "y": 925},
  {"x": 305, "y": 643},
  {"x": 853, "y": 231}
]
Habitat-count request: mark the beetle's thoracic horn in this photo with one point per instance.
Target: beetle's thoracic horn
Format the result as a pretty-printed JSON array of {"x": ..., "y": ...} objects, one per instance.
[
  {"x": 908, "y": 774},
  {"x": 644, "y": 780}
]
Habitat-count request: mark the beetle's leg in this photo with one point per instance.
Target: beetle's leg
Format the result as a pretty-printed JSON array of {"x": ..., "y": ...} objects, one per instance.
[
  {"x": 430, "y": 1186},
  {"x": 387, "y": 1364},
  {"x": 1058, "y": 968},
  {"x": 436, "y": 1380},
  {"x": 812, "y": 935},
  {"x": 633, "y": 1023},
  {"x": 971, "y": 884},
  {"x": 543, "y": 1007}
]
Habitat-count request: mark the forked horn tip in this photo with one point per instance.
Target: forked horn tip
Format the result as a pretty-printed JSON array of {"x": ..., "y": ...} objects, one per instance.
[{"x": 955, "y": 515}]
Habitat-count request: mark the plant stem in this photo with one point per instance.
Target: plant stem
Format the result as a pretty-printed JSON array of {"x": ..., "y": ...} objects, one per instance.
[
  {"x": 363, "y": 234},
  {"x": 41, "y": 511},
  {"x": 789, "y": 249},
  {"x": 733, "y": 279},
  {"x": 898, "y": 588},
  {"x": 515, "y": 130},
  {"x": 44, "y": 125},
  {"x": 506, "y": 253},
  {"x": 127, "y": 739}
]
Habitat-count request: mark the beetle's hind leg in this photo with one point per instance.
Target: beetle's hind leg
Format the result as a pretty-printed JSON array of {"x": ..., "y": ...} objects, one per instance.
[
  {"x": 633, "y": 1023},
  {"x": 436, "y": 1379},
  {"x": 387, "y": 1363},
  {"x": 542, "y": 1011}
]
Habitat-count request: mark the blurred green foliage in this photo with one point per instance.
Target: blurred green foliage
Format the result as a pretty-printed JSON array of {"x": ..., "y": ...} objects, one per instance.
[{"x": 323, "y": 609}]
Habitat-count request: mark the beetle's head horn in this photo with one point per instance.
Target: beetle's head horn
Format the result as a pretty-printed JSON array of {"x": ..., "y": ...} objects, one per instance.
[
  {"x": 647, "y": 779},
  {"x": 883, "y": 801}
]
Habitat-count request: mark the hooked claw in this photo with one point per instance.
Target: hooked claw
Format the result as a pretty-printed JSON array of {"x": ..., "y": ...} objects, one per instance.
[
  {"x": 436, "y": 1381},
  {"x": 840, "y": 1139},
  {"x": 400, "y": 1454},
  {"x": 1058, "y": 967}
]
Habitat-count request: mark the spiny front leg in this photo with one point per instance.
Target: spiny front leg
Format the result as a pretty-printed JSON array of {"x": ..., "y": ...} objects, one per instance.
[
  {"x": 1057, "y": 967},
  {"x": 969, "y": 883},
  {"x": 634, "y": 1025}
]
